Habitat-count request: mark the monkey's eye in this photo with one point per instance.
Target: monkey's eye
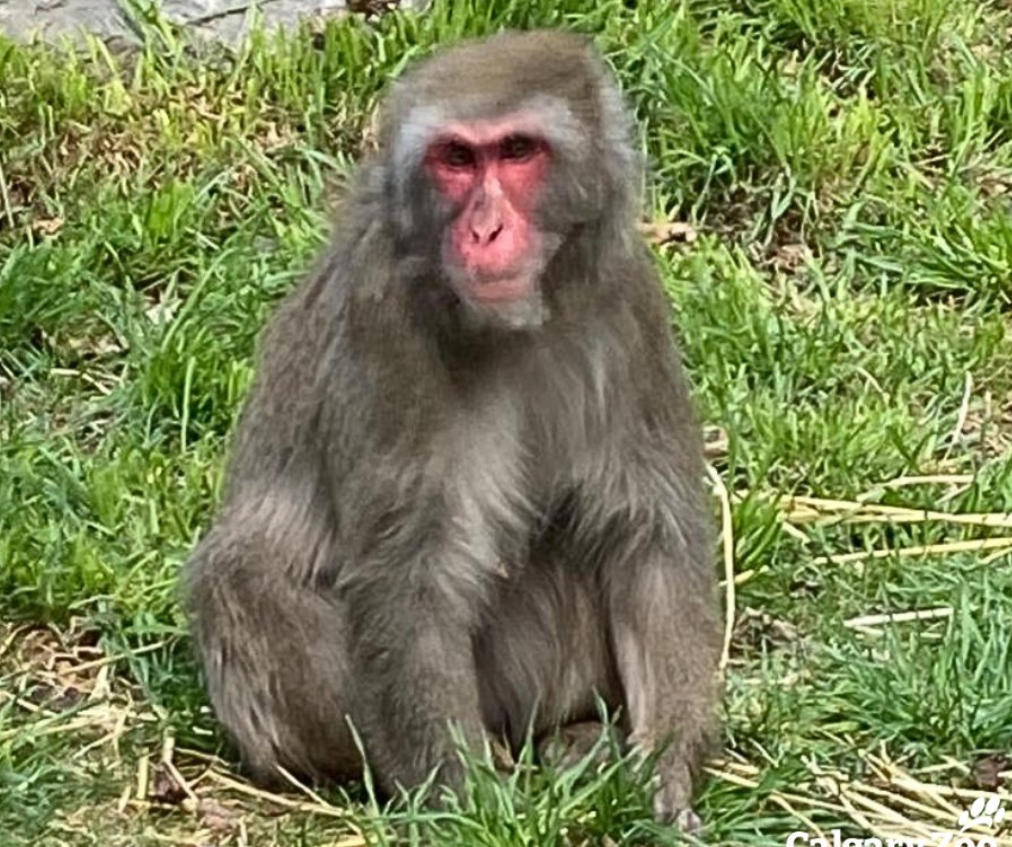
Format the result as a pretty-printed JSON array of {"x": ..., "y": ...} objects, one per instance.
[
  {"x": 456, "y": 155},
  {"x": 517, "y": 148}
]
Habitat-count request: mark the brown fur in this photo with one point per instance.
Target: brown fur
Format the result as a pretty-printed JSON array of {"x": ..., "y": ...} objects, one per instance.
[{"x": 436, "y": 515}]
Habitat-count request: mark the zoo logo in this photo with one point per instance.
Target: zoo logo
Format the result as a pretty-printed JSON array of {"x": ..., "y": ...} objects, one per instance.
[{"x": 984, "y": 811}]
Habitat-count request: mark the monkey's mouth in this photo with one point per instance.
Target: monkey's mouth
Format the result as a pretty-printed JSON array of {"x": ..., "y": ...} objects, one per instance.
[{"x": 499, "y": 289}]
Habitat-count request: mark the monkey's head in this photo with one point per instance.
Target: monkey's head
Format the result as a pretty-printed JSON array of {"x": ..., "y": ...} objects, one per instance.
[{"x": 503, "y": 157}]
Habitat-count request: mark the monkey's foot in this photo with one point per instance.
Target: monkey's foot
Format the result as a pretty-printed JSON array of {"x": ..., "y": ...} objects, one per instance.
[{"x": 569, "y": 746}]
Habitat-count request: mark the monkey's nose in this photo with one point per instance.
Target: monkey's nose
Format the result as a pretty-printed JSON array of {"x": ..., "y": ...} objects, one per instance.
[{"x": 480, "y": 237}]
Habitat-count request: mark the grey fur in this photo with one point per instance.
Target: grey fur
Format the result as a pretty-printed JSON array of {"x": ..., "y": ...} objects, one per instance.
[{"x": 432, "y": 518}]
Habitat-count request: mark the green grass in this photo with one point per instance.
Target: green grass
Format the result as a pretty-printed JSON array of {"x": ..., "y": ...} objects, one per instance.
[{"x": 848, "y": 167}]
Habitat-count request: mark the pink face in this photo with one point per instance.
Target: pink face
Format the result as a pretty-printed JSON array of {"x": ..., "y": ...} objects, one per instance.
[{"x": 492, "y": 174}]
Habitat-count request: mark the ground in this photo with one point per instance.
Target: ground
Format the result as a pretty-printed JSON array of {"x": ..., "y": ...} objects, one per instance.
[{"x": 830, "y": 204}]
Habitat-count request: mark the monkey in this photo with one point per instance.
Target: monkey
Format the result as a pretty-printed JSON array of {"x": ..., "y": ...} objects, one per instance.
[{"x": 465, "y": 491}]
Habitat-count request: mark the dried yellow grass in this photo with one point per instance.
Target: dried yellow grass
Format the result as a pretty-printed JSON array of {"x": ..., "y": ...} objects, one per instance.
[{"x": 891, "y": 802}]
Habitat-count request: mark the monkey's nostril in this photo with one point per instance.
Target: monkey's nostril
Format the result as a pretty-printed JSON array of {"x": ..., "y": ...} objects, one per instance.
[{"x": 480, "y": 236}]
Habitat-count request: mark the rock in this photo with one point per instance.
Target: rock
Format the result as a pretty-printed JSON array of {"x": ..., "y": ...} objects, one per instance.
[{"x": 222, "y": 20}]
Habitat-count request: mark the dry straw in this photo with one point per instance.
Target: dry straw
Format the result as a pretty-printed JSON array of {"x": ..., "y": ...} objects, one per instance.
[{"x": 889, "y": 802}]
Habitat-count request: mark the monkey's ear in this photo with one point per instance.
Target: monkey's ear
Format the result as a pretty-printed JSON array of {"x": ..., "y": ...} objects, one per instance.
[{"x": 585, "y": 39}]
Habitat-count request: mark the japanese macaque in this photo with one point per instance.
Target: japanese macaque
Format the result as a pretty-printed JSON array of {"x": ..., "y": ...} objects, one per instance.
[{"x": 466, "y": 489}]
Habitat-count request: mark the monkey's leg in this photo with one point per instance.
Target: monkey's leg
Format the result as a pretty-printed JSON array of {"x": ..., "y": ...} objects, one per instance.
[
  {"x": 666, "y": 638},
  {"x": 274, "y": 655}
]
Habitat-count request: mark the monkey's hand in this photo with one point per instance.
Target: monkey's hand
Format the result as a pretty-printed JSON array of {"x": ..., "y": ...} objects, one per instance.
[{"x": 673, "y": 799}]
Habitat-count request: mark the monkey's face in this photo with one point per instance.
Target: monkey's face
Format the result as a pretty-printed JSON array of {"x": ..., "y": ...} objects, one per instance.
[{"x": 491, "y": 177}]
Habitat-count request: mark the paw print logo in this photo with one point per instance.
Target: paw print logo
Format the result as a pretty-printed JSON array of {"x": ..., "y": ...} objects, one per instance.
[{"x": 985, "y": 811}]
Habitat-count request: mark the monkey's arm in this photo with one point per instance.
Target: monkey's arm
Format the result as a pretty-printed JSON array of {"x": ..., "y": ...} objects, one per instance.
[
  {"x": 664, "y": 623},
  {"x": 411, "y": 615}
]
